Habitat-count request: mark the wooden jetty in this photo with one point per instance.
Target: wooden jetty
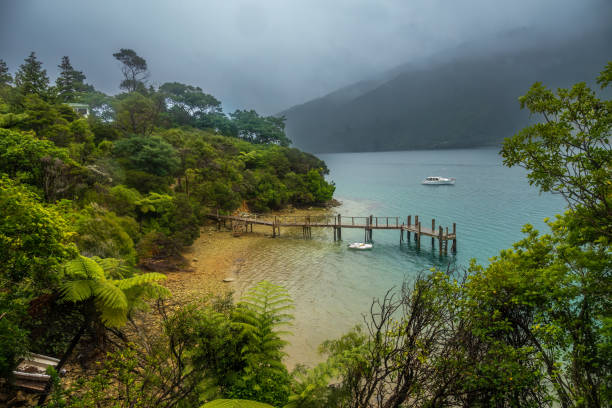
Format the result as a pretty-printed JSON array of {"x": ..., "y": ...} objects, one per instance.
[{"x": 406, "y": 226}]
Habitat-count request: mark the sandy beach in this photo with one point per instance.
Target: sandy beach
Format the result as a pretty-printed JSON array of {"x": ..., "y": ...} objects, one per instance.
[{"x": 217, "y": 255}]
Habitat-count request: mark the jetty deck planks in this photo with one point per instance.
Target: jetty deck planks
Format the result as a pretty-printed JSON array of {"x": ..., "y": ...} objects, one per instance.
[{"x": 338, "y": 222}]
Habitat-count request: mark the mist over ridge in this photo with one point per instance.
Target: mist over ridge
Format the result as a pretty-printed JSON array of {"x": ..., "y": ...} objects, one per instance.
[{"x": 466, "y": 97}]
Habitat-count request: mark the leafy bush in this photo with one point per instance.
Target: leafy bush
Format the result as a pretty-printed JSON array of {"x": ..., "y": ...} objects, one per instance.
[
  {"x": 34, "y": 240},
  {"x": 14, "y": 340},
  {"x": 152, "y": 155},
  {"x": 101, "y": 233}
]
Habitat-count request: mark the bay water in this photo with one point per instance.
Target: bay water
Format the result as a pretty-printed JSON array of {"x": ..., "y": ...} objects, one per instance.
[{"x": 333, "y": 286}]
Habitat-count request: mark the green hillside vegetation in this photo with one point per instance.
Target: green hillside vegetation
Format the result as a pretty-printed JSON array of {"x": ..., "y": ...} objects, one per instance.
[
  {"x": 88, "y": 202},
  {"x": 454, "y": 101},
  {"x": 89, "y": 205}
]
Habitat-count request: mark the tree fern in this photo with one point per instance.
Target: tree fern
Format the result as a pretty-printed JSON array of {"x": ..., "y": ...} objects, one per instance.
[
  {"x": 259, "y": 314},
  {"x": 87, "y": 278}
]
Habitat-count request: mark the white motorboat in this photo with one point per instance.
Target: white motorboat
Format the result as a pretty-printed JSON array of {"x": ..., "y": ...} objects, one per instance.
[
  {"x": 360, "y": 245},
  {"x": 435, "y": 180}
]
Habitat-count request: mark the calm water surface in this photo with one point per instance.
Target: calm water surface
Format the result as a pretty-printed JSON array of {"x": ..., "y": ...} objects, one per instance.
[{"x": 333, "y": 286}]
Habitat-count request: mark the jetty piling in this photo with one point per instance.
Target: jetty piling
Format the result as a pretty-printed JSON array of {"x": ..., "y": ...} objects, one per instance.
[{"x": 433, "y": 228}]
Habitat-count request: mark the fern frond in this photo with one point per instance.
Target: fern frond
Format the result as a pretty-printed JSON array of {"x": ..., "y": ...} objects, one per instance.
[
  {"x": 139, "y": 280},
  {"x": 110, "y": 296},
  {"x": 113, "y": 317},
  {"x": 114, "y": 268},
  {"x": 157, "y": 291},
  {"x": 82, "y": 267},
  {"x": 76, "y": 291}
]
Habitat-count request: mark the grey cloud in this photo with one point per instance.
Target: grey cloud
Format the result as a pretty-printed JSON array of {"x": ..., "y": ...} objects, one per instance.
[{"x": 269, "y": 55}]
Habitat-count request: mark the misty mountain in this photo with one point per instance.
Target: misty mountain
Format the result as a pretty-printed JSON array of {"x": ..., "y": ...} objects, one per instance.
[{"x": 463, "y": 99}]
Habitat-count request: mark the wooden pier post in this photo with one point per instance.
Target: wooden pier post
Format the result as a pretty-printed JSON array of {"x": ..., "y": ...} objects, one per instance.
[
  {"x": 418, "y": 237},
  {"x": 339, "y": 227},
  {"x": 440, "y": 239},
  {"x": 274, "y": 227},
  {"x": 433, "y": 231},
  {"x": 408, "y": 230},
  {"x": 446, "y": 243},
  {"x": 454, "y": 248},
  {"x": 402, "y": 234}
]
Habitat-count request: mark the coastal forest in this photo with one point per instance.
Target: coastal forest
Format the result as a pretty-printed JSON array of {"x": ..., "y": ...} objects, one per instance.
[{"x": 101, "y": 194}]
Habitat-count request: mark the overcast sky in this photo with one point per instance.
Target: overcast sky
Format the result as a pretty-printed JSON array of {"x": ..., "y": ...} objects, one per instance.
[{"x": 271, "y": 54}]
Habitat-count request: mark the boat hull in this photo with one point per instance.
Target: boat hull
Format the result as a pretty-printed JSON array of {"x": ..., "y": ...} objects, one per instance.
[
  {"x": 360, "y": 246},
  {"x": 439, "y": 183}
]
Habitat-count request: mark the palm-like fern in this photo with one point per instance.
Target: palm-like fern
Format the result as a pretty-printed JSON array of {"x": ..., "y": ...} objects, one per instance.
[
  {"x": 260, "y": 312},
  {"x": 90, "y": 278}
]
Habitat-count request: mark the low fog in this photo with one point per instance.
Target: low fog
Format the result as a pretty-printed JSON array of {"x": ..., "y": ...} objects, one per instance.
[{"x": 270, "y": 55}]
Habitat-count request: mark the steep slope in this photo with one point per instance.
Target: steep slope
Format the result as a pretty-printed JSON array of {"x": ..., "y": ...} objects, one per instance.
[{"x": 460, "y": 102}]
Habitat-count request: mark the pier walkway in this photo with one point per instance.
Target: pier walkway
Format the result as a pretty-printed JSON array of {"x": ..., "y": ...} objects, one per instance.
[{"x": 241, "y": 223}]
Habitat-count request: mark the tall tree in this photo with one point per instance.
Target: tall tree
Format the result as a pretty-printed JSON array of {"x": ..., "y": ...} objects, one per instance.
[
  {"x": 190, "y": 98},
  {"x": 69, "y": 82},
  {"x": 260, "y": 129},
  {"x": 31, "y": 77},
  {"x": 134, "y": 70},
  {"x": 136, "y": 113},
  {"x": 5, "y": 76},
  {"x": 569, "y": 152}
]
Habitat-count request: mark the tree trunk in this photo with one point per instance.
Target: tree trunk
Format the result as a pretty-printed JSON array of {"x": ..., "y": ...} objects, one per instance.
[{"x": 64, "y": 359}]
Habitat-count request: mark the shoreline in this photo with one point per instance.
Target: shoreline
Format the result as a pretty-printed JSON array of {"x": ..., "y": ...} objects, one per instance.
[{"x": 217, "y": 255}]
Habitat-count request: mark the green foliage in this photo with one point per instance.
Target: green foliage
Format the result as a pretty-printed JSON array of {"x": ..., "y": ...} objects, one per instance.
[
  {"x": 31, "y": 78},
  {"x": 259, "y": 129},
  {"x": 13, "y": 338},
  {"x": 569, "y": 152},
  {"x": 553, "y": 292},
  {"x": 5, "y": 75},
  {"x": 22, "y": 157},
  {"x": 260, "y": 313},
  {"x": 237, "y": 403},
  {"x": 9, "y": 119},
  {"x": 152, "y": 155},
  {"x": 112, "y": 186},
  {"x": 102, "y": 233},
  {"x": 187, "y": 103},
  {"x": 70, "y": 82},
  {"x": 34, "y": 240},
  {"x": 134, "y": 70},
  {"x": 165, "y": 368},
  {"x": 86, "y": 278},
  {"x": 135, "y": 113}
]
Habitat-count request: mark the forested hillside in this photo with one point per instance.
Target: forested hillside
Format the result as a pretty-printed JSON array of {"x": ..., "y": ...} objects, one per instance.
[
  {"x": 455, "y": 101},
  {"x": 90, "y": 200}
]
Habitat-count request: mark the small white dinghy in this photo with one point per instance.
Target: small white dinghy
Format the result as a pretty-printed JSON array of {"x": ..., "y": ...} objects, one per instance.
[{"x": 360, "y": 245}]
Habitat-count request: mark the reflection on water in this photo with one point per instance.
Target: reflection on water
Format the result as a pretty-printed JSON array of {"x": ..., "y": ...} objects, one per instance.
[{"x": 333, "y": 286}]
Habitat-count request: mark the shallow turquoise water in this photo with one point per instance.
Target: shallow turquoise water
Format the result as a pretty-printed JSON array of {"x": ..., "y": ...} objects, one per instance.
[{"x": 333, "y": 286}]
